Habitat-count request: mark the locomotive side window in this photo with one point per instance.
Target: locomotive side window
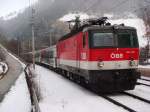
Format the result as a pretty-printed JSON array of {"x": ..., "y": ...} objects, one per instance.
[
  {"x": 84, "y": 40},
  {"x": 102, "y": 40}
]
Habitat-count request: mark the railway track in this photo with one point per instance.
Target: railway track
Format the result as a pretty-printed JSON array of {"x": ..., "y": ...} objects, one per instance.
[
  {"x": 118, "y": 103},
  {"x": 143, "y": 84},
  {"x": 137, "y": 97},
  {"x": 123, "y": 105},
  {"x": 122, "y": 99},
  {"x": 144, "y": 79}
]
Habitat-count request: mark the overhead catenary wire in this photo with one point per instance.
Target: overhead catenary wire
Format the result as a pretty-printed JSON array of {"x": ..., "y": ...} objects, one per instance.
[
  {"x": 144, "y": 7},
  {"x": 140, "y": 8},
  {"x": 147, "y": 1},
  {"x": 87, "y": 9},
  {"x": 113, "y": 8},
  {"x": 118, "y": 5},
  {"x": 108, "y": 10},
  {"x": 81, "y": 4}
]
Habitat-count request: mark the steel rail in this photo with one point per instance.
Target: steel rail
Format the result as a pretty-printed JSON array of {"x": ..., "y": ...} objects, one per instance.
[
  {"x": 118, "y": 103},
  {"x": 144, "y": 79},
  {"x": 137, "y": 97},
  {"x": 138, "y": 83}
]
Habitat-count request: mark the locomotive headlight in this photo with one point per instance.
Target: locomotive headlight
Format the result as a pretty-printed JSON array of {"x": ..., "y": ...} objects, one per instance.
[
  {"x": 132, "y": 63},
  {"x": 100, "y": 64}
]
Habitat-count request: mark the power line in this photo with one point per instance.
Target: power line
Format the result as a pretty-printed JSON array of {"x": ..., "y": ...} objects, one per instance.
[
  {"x": 123, "y": 2},
  {"x": 118, "y": 5},
  {"x": 141, "y": 8},
  {"x": 81, "y": 4},
  {"x": 147, "y": 1},
  {"x": 113, "y": 8},
  {"x": 91, "y": 6}
]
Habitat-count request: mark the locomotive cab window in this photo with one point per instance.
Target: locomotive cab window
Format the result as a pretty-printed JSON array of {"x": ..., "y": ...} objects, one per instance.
[
  {"x": 127, "y": 39},
  {"x": 102, "y": 39}
]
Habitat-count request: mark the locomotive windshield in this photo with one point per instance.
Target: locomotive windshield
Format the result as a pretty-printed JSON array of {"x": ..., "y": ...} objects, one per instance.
[
  {"x": 120, "y": 39},
  {"x": 127, "y": 39},
  {"x": 102, "y": 40}
]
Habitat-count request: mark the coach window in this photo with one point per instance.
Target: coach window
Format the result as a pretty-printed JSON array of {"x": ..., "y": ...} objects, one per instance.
[{"x": 84, "y": 40}]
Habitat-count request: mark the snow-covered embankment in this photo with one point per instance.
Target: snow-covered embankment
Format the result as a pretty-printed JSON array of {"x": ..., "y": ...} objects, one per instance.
[{"x": 18, "y": 97}]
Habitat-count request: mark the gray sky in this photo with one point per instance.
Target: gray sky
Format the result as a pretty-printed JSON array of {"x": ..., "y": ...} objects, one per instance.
[{"x": 8, "y": 6}]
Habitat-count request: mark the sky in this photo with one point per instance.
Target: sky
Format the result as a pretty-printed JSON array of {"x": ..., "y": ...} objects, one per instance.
[{"x": 8, "y": 6}]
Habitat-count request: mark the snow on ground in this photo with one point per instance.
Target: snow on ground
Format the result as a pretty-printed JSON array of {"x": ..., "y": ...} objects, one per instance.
[
  {"x": 144, "y": 66},
  {"x": 143, "y": 89},
  {"x": 17, "y": 100},
  {"x": 61, "y": 95},
  {"x": 144, "y": 82},
  {"x": 146, "y": 77}
]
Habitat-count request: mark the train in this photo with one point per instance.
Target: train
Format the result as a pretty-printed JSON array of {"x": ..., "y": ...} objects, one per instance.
[{"x": 101, "y": 55}]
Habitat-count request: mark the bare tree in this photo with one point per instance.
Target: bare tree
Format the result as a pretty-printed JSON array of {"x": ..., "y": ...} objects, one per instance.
[{"x": 2, "y": 55}]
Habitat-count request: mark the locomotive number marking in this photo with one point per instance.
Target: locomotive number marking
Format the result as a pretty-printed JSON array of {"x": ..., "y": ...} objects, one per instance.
[{"x": 116, "y": 56}]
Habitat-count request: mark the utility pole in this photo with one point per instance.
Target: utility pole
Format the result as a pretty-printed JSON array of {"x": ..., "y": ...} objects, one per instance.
[
  {"x": 33, "y": 38},
  {"x": 51, "y": 38},
  {"x": 22, "y": 46},
  {"x": 18, "y": 42},
  {"x": 29, "y": 45},
  {"x": 147, "y": 33}
]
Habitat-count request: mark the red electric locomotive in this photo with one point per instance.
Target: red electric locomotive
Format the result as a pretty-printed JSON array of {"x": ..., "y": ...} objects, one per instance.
[{"x": 103, "y": 55}]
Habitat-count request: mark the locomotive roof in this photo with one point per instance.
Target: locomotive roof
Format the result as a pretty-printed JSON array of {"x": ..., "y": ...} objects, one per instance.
[{"x": 111, "y": 27}]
